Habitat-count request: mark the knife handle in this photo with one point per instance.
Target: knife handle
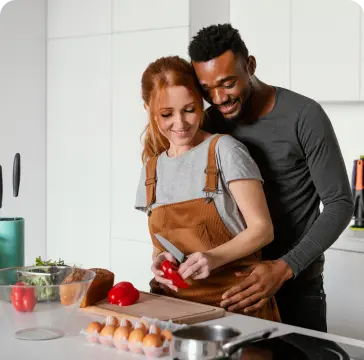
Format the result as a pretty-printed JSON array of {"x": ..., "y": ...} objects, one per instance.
[
  {"x": 1, "y": 186},
  {"x": 16, "y": 174}
]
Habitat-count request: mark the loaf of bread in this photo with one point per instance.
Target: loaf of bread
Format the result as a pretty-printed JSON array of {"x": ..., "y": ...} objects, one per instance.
[{"x": 98, "y": 290}]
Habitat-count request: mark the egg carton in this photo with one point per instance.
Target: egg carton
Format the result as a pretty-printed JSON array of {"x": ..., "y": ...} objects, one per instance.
[{"x": 136, "y": 347}]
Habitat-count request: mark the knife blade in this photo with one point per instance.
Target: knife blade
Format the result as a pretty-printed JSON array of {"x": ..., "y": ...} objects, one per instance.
[{"x": 178, "y": 254}]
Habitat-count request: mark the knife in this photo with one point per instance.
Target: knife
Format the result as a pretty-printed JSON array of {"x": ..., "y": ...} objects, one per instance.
[
  {"x": 178, "y": 254},
  {"x": 16, "y": 174}
]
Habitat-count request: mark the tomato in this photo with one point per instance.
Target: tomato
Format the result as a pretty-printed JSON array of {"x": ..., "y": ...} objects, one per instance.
[
  {"x": 123, "y": 294},
  {"x": 23, "y": 297}
]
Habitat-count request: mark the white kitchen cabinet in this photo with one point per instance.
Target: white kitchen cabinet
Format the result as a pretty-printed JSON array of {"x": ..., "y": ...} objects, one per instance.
[
  {"x": 78, "y": 150},
  {"x": 264, "y": 26},
  {"x": 132, "y": 15},
  {"x": 325, "y": 49},
  {"x": 362, "y": 58},
  {"x": 344, "y": 288},
  {"x": 132, "y": 261},
  {"x": 78, "y": 17},
  {"x": 129, "y": 120}
]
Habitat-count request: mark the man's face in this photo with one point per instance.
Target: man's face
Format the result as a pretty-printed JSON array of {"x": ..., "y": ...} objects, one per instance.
[{"x": 226, "y": 83}]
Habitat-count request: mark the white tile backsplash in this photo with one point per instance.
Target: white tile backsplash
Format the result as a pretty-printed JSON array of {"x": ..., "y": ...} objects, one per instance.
[
  {"x": 129, "y": 120},
  {"x": 131, "y": 15},
  {"x": 78, "y": 17},
  {"x": 78, "y": 146}
]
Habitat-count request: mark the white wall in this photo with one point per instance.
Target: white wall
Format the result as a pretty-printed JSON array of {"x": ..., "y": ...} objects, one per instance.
[
  {"x": 95, "y": 120},
  {"x": 347, "y": 119},
  {"x": 23, "y": 118}
]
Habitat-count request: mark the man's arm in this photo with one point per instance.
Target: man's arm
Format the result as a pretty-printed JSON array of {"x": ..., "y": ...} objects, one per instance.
[{"x": 328, "y": 173}]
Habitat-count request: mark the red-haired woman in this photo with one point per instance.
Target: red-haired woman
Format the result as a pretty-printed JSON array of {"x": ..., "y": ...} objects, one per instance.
[{"x": 202, "y": 192}]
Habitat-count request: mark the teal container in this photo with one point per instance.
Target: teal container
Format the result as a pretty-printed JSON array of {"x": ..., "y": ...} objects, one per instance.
[{"x": 11, "y": 242}]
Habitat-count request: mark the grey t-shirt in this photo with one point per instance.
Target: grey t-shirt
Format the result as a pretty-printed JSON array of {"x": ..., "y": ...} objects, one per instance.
[
  {"x": 297, "y": 152},
  {"x": 182, "y": 178}
]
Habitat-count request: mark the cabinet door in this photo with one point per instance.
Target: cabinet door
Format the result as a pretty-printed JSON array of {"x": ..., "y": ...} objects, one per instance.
[
  {"x": 325, "y": 49},
  {"x": 362, "y": 57},
  {"x": 264, "y": 26},
  {"x": 78, "y": 150},
  {"x": 344, "y": 289}
]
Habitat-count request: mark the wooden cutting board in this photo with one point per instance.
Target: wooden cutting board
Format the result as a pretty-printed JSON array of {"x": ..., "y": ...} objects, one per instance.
[{"x": 159, "y": 307}]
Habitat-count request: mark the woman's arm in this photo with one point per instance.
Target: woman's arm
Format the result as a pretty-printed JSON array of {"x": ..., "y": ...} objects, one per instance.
[
  {"x": 250, "y": 198},
  {"x": 251, "y": 201}
]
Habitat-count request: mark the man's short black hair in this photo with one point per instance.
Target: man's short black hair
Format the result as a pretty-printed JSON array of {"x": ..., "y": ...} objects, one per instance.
[{"x": 212, "y": 41}]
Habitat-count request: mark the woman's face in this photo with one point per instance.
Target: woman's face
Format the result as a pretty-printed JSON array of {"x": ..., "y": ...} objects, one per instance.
[{"x": 178, "y": 116}]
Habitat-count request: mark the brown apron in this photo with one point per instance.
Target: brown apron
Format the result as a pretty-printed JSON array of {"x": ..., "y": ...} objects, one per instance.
[{"x": 196, "y": 226}]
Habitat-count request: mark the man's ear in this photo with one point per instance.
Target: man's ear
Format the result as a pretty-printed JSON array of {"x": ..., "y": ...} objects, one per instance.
[{"x": 251, "y": 65}]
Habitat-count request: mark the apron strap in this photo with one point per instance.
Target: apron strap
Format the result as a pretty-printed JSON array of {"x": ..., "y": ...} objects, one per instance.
[
  {"x": 211, "y": 170},
  {"x": 151, "y": 180}
]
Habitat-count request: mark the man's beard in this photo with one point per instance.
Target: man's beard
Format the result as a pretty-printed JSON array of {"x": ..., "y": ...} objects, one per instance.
[{"x": 244, "y": 107}]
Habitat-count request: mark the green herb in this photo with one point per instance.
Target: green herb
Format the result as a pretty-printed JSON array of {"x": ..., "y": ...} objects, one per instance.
[{"x": 40, "y": 262}]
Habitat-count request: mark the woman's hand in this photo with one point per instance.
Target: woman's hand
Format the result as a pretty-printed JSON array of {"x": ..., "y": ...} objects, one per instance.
[
  {"x": 197, "y": 266},
  {"x": 158, "y": 274}
]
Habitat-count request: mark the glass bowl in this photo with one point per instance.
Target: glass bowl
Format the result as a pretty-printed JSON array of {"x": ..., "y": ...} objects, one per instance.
[{"x": 38, "y": 301}]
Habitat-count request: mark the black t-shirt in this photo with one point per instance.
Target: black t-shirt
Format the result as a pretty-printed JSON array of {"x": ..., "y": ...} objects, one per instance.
[{"x": 301, "y": 163}]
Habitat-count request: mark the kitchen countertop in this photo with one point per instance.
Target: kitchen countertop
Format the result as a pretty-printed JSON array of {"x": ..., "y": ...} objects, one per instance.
[
  {"x": 350, "y": 240},
  {"x": 73, "y": 346}
]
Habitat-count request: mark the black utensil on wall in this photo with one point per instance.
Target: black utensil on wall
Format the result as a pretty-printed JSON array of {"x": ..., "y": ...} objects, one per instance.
[
  {"x": 16, "y": 175},
  {"x": 1, "y": 186}
]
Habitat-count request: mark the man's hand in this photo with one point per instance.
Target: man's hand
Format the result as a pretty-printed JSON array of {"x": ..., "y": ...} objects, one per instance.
[{"x": 264, "y": 280}]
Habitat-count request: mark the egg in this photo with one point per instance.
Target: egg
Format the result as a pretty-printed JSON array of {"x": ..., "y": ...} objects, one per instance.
[
  {"x": 108, "y": 330},
  {"x": 137, "y": 335},
  {"x": 94, "y": 327},
  {"x": 154, "y": 329},
  {"x": 111, "y": 320},
  {"x": 135, "y": 339},
  {"x": 126, "y": 323},
  {"x": 166, "y": 335},
  {"x": 121, "y": 333},
  {"x": 152, "y": 340}
]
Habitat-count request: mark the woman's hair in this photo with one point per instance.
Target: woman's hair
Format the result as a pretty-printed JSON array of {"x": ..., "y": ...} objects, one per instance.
[{"x": 160, "y": 74}]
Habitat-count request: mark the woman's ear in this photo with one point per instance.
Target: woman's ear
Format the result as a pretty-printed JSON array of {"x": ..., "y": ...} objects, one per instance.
[{"x": 146, "y": 107}]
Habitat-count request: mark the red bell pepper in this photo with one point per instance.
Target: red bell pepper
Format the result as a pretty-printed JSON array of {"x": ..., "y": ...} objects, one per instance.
[
  {"x": 170, "y": 272},
  {"x": 123, "y": 294},
  {"x": 23, "y": 297}
]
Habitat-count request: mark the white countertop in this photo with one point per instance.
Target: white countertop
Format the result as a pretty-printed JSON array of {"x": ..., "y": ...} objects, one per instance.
[
  {"x": 350, "y": 240},
  {"x": 74, "y": 346}
]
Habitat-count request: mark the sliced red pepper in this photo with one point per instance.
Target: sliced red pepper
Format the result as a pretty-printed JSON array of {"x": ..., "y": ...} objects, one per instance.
[
  {"x": 23, "y": 297},
  {"x": 123, "y": 294},
  {"x": 170, "y": 272}
]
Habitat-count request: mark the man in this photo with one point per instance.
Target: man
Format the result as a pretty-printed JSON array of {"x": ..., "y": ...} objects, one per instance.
[{"x": 292, "y": 140}]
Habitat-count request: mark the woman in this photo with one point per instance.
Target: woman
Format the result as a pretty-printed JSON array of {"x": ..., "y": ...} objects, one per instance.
[{"x": 201, "y": 192}]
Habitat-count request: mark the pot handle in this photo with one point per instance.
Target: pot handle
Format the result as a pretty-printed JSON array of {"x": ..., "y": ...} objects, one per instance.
[{"x": 233, "y": 346}]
